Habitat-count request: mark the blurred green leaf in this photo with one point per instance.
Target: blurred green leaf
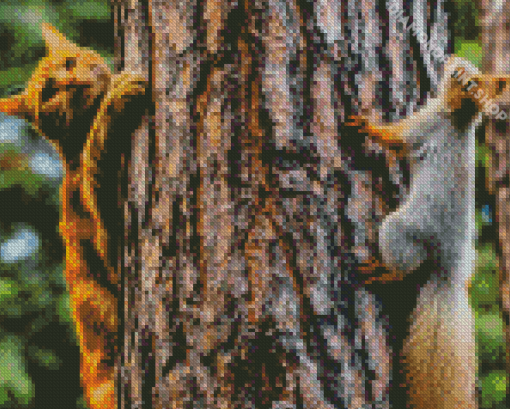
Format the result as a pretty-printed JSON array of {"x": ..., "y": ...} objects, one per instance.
[
  {"x": 18, "y": 75},
  {"x": 482, "y": 155},
  {"x": 478, "y": 221},
  {"x": 4, "y": 395},
  {"x": 89, "y": 9},
  {"x": 490, "y": 336},
  {"x": 21, "y": 32},
  {"x": 484, "y": 289},
  {"x": 472, "y": 51},
  {"x": 493, "y": 388},
  {"x": 11, "y": 305},
  {"x": 484, "y": 286},
  {"x": 486, "y": 260},
  {"x": 64, "y": 309},
  {"x": 44, "y": 357},
  {"x": 8, "y": 289},
  {"x": 466, "y": 25},
  {"x": 13, "y": 372},
  {"x": 31, "y": 182},
  {"x": 56, "y": 276},
  {"x": 39, "y": 297},
  {"x": 81, "y": 404}
]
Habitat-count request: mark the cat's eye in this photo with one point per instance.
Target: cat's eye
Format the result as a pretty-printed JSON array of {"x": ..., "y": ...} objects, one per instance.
[{"x": 70, "y": 63}]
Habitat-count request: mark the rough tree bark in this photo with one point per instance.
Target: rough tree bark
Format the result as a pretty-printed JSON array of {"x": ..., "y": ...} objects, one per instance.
[
  {"x": 249, "y": 207},
  {"x": 495, "y": 19}
]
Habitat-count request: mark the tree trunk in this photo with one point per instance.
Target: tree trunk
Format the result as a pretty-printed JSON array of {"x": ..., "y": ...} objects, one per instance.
[
  {"x": 250, "y": 206},
  {"x": 495, "y": 19}
]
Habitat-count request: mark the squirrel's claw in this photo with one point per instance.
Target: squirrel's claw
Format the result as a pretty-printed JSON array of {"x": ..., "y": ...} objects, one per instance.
[
  {"x": 375, "y": 271},
  {"x": 356, "y": 121}
]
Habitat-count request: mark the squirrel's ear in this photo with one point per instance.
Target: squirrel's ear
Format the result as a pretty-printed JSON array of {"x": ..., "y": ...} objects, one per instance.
[{"x": 54, "y": 39}]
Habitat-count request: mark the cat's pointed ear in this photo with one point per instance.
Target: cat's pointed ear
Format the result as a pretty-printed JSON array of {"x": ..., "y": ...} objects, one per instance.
[{"x": 54, "y": 39}]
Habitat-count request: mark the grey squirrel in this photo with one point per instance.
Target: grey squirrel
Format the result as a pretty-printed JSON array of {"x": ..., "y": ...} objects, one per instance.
[{"x": 436, "y": 223}]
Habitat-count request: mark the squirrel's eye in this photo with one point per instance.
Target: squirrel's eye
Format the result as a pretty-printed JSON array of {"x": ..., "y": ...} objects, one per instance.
[{"x": 70, "y": 63}]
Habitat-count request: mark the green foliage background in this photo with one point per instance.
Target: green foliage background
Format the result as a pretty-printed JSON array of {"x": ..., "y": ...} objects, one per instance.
[
  {"x": 41, "y": 300},
  {"x": 485, "y": 285}
]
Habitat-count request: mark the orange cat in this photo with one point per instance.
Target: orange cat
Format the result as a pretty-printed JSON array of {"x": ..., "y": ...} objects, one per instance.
[{"x": 73, "y": 99}]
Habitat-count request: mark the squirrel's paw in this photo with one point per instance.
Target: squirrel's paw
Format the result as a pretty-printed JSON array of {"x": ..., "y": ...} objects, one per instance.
[
  {"x": 375, "y": 271},
  {"x": 356, "y": 121}
]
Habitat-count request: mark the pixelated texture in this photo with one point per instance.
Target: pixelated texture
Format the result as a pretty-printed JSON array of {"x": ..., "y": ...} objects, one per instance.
[
  {"x": 270, "y": 208},
  {"x": 498, "y": 143},
  {"x": 73, "y": 99},
  {"x": 261, "y": 268}
]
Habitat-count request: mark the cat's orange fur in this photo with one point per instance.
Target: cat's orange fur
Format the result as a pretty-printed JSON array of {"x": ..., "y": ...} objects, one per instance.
[{"x": 71, "y": 99}]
